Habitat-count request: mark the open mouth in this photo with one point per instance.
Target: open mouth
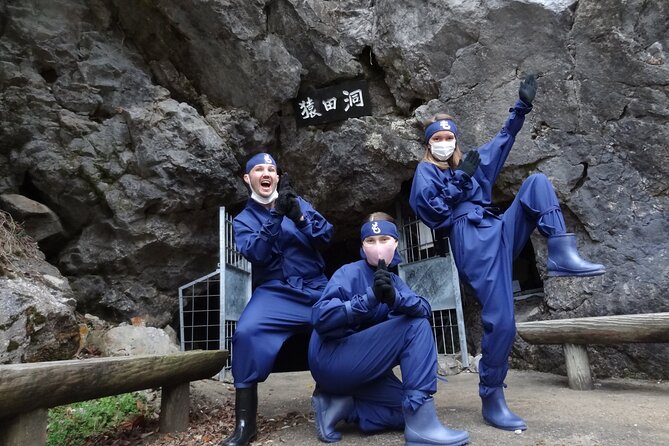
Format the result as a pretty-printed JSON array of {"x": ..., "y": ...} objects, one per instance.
[{"x": 265, "y": 182}]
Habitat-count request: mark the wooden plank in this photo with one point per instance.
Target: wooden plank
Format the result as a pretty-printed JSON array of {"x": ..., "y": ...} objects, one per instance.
[
  {"x": 578, "y": 367},
  {"x": 174, "y": 408},
  {"x": 25, "y": 429},
  {"x": 25, "y": 387},
  {"x": 650, "y": 327}
]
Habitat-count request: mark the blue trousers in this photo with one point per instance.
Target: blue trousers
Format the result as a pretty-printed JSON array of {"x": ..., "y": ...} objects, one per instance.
[
  {"x": 275, "y": 312},
  {"x": 484, "y": 256},
  {"x": 360, "y": 365}
]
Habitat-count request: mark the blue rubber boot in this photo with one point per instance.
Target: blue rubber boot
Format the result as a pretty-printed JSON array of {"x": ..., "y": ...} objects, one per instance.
[
  {"x": 423, "y": 428},
  {"x": 328, "y": 411},
  {"x": 497, "y": 414},
  {"x": 564, "y": 260}
]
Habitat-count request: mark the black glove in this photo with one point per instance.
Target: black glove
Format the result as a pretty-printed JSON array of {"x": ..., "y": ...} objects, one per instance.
[
  {"x": 470, "y": 163},
  {"x": 528, "y": 89},
  {"x": 285, "y": 184},
  {"x": 286, "y": 203},
  {"x": 283, "y": 204},
  {"x": 384, "y": 291},
  {"x": 294, "y": 211}
]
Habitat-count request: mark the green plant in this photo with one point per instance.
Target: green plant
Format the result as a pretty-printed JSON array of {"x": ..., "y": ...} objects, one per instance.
[{"x": 70, "y": 425}]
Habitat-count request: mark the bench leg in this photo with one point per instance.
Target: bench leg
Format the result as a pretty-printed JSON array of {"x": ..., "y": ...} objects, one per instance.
[
  {"x": 174, "y": 408},
  {"x": 578, "y": 367},
  {"x": 25, "y": 429}
]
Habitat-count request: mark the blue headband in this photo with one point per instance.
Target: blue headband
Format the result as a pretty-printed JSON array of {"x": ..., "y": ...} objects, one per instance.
[
  {"x": 440, "y": 126},
  {"x": 259, "y": 158},
  {"x": 380, "y": 227}
]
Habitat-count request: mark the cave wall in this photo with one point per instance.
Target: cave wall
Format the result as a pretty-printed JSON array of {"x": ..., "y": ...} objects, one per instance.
[{"x": 130, "y": 120}]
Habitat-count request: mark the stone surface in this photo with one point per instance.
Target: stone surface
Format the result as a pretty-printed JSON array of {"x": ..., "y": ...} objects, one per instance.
[
  {"x": 129, "y": 340},
  {"x": 38, "y": 220},
  {"x": 37, "y": 319},
  {"x": 130, "y": 121}
]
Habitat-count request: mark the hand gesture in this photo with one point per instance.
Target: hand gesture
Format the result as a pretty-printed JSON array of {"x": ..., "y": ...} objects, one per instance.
[
  {"x": 294, "y": 212},
  {"x": 285, "y": 185},
  {"x": 528, "y": 89},
  {"x": 283, "y": 204},
  {"x": 384, "y": 291},
  {"x": 470, "y": 163},
  {"x": 287, "y": 203}
]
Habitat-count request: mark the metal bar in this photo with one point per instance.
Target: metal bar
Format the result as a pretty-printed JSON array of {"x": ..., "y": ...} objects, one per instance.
[
  {"x": 222, "y": 256},
  {"x": 182, "y": 345},
  {"x": 198, "y": 280}
]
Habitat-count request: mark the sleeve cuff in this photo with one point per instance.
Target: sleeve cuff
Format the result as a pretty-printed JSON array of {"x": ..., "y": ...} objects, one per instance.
[{"x": 521, "y": 107}]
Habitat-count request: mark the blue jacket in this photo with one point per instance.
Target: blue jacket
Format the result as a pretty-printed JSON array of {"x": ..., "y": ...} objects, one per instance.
[
  {"x": 348, "y": 304},
  {"x": 278, "y": 249},
  {"x": 439, "y": 197}
]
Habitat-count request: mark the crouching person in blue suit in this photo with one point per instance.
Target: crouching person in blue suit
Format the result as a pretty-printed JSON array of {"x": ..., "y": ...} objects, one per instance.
[
  {"x": 279, "y": 233},
  {"x": 367, "y": 322}
]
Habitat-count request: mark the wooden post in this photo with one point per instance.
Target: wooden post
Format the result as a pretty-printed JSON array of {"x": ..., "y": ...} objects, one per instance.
[
  {"x": 578, "y": 366},
  {"x": 26, "y": 429},
  {"x": 174, "y": 408}
]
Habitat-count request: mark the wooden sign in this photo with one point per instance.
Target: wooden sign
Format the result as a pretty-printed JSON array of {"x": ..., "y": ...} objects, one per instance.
[{"x": 349, "y": 99}]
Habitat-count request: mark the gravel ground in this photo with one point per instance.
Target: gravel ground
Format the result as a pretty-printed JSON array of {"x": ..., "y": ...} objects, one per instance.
[{"x": 619, "y": 412}]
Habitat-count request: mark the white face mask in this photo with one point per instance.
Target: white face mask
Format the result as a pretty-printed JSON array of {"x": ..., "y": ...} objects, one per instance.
[
  {"x": 442, "y": 150},
  {"x": 380, "y": 250},
  {"x": 264, "y": 200}
]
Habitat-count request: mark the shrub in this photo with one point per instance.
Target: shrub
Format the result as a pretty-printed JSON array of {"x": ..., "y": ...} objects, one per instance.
[{"x": 71, "y": 425}]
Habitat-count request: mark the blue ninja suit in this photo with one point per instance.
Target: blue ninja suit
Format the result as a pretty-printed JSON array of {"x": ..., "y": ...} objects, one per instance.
[
  {"x": 356, "y": 342},
  {"x": 287, "y": 272},
  {"x": 484, "y": 244},
  {"x": 288, "y": 279}
]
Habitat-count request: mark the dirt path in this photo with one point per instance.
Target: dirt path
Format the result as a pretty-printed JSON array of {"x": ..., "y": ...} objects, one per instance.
[{"x": 619, "y": 412}]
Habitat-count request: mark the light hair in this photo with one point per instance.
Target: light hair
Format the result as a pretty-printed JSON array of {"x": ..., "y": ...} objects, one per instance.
[
  {"x": 379, "y": 216},
  {"x": 455, "y": 159}
]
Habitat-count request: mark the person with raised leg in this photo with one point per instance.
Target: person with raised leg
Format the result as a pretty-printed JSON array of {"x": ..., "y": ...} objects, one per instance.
[{"x": 451, "y": 193}]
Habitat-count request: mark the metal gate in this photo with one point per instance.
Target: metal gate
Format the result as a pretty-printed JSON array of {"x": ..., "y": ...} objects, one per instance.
[
  {"x": 433, "y": 275},
  {"x": 209, "y": 307}
]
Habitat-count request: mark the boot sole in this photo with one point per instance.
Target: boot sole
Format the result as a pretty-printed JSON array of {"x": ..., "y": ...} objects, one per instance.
[
  {"x": 459, "y": 443},
  {"x": 598, "y": 272},
  {"x": 505, "y": 428}
]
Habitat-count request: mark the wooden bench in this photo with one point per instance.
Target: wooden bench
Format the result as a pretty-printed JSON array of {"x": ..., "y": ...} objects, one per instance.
[
  {"x": 576, "y": 334},
  {"x": 27, "y": 391}
]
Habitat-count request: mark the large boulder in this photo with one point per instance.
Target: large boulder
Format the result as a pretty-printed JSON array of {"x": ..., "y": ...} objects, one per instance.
[
  {"x": 38, "y": 220},
  {"x": 38, "y": 321}
]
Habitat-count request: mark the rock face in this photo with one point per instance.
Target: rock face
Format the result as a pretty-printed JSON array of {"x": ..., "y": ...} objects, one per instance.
[
  {"x": 37, "y": 308},
  {"x": 130, "y": 121}
]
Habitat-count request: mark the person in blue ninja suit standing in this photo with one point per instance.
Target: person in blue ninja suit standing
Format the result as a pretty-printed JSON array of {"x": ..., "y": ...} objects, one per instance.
[
  {"x": 367, "y": 322},
  {"x": 452, "y": 194},
  {"x": 280, "y": 234}
]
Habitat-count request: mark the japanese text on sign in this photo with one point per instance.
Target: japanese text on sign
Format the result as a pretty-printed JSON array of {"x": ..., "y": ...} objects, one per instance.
[{"x": 349, "y": 99}]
